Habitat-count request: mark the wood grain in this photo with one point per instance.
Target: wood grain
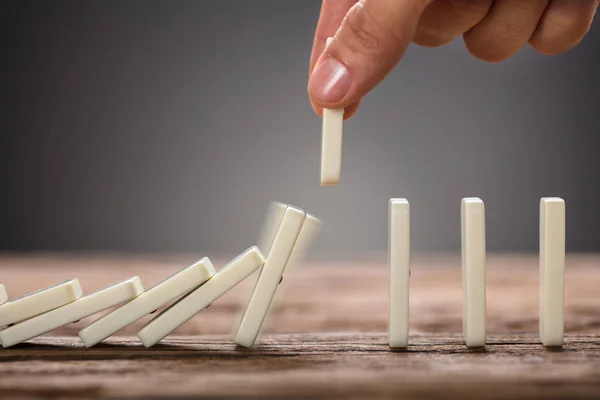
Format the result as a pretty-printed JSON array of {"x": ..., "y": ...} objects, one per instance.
[{"x": 326, "y": 337}]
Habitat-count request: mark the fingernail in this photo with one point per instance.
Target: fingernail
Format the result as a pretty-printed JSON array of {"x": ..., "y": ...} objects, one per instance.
[{"x": 330, "y": 81}]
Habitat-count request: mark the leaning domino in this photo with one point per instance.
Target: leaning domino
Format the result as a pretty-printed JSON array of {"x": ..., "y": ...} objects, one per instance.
[
  {"x": 310, "y": 229},
  {"x": 3, "y": 294},
  {"x": 552, "y": 271},
  {"x": 270, "y": 226},
  {"x": 146, "y": 303},
  {"x": 72, "y": 312},
  {"x": 331, "y": 145},
  {"x": 39, "y": 302},
  {"x": 270, "y": 276},
  {"x": 200, "y": 298},
  {"x": 473, "y": 271},
  {"x": 399, "y": 270}
]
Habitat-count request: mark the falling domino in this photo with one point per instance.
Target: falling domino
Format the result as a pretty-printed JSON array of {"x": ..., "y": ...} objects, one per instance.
[
  {"x": 331, "y": 145},
  {"x": 200, "y": 298},
  {"x": 473, "y": 271},
  {"x": 310, "y": 229},
  {"x": 3, "y": 294},
  {"x": 72, "y": 312},
  {"x": 399, "y": 270},
  {"x": 148, "y": 302},
  {"x": 270, "y": 276},
  {"x": 270, "y": 226},
  {"x": 552, "y": 271},
  {"x": 39, "y": 302}
]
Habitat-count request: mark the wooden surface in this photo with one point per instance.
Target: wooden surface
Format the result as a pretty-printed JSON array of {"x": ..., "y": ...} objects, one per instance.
[{"x": 326, "y": 337}]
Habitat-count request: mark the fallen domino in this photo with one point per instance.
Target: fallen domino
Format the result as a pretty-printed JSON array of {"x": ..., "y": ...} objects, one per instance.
[
  {"x": 552, "y": 271},
  {"x": 72, "y": 312},
  {"x": 331, "y": 144},
  {"x": 148, "y": 302},
  {"x": 39, "y": 302},
  {"x": 473, "y": 271},
  {"x": 399, "y": 271},
  {"x": 270, "y": 276},
  {"x": 200, "y": 298}
]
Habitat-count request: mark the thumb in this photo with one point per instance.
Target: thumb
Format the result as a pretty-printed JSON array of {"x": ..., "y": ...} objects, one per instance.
[{"x": 370, "y": 41}]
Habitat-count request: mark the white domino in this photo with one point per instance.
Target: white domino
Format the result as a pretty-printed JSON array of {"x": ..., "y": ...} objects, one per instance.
[
  {"x": 473, "y": 271},
  {"x": 270, "y": 276},
  {"x": 148, "y": 302},
  {"x": 399, "y": 270},
  {"x": 39, "y": 302},
  {"x": 270, "y": 226},
  {"x": 3, "y": 294},
  {"x": 72, "y": 312},
  {"x": 552, "y": 271},
  {"x": 200, "y": 298},
  {"x": 331, "y": 145},
  {"x": 309, "y": 231}
]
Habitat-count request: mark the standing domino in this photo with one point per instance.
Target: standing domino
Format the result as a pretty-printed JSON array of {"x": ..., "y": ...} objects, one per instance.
[
  {"x": 39, "y": 302},
  {"x": 148, "y": 302},
  {"x": 331, "y": 145},
  {"x": 552, "y": 271},
  {"x": 270, "y": 276},
  {"x": 399, "y": 270},
  {"x": 3, "y": 294},
  {"x": 200, "y": 298},
  {"x": 72, "y": 312},
  {"x": 473, "y": 271}
]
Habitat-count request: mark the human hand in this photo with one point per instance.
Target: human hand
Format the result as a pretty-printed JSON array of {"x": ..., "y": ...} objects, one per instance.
[{"x": 371, "y": 37}]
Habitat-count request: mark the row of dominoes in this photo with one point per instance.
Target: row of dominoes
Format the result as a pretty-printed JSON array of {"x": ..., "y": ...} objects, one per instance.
[
  {"x": 552, "y": 267},
  {"x": 286, "y": 236}
]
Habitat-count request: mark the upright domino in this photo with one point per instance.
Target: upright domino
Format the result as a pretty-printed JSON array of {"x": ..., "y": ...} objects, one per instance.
[
  {"x": 331, "y": 145},
  {"x": 3, "y": 294},
  {"x": 39, "y": 302},
  {"x": 270, "y": 276},
  {"x": 200, "y": 298},
  {"x": 473, "y": 271},
  {"x": 72, "y": 312},
  {"x": 399, "y": 270},
  {"x": 148, "y": 302},
  {"x": 552, "y": 271}
]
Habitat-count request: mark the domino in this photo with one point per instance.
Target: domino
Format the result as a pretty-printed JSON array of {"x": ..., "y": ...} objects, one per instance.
[
  {"x": 39, "y": 302},
  {"x": 72, "y": 312},
  {"x": 270, "y": 276},
  {"x": 3, "y": 294},
  {"x": 147, "y": 302},
  {"x": 473, "y": 271},
  {"x": 309, "y": 231},
  {"x": 552, "y": 271},
  {"x": 399, "y": 270},
  {"x": 331, "y": 145},
  {"x": 200, "y": 298},
  {"x": 270, "y": 226}
]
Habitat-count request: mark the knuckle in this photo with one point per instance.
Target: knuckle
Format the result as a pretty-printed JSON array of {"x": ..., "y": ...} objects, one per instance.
[
  {"x": 431, "y": 38},
  {"x": 364, "y": 30},
  {"x": 475, "y": 8}
]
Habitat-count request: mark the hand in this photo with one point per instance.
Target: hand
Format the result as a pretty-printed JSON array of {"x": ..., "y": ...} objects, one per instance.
[{"x": 371, "y": 36}]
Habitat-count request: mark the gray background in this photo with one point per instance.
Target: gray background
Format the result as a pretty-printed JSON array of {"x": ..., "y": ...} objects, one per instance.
[{"x": 168, "y": 126}]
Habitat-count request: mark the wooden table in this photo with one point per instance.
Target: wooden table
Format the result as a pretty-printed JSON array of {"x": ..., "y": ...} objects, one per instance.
[{"x": 326, "y": 337}]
